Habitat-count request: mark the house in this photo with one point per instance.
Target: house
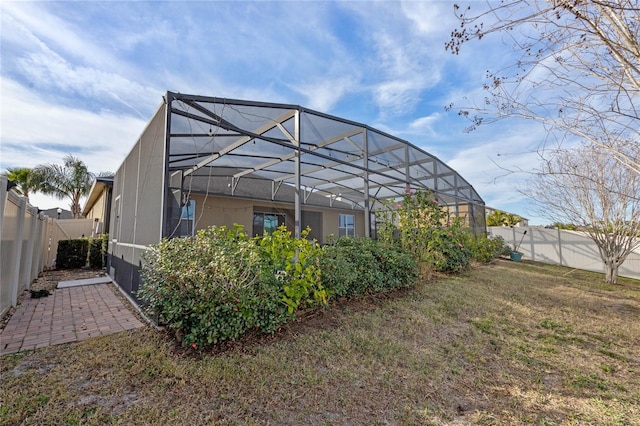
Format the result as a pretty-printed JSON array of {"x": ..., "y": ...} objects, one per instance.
[
  {"x": 98, "y": 205},
  {"x": 58, "y": 213},
  {"x": 205, "y": 161}
]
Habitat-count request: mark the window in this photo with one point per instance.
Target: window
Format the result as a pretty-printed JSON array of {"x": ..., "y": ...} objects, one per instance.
[
  {"x": 186, "y": 219},
  {"x": 267, "y": 222},
  {"x": 346, "y": 225},
  {"x": 116, "y": 225}
]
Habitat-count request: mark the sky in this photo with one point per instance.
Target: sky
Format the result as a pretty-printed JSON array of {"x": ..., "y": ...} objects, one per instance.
[{"x": 84, "y": 78}]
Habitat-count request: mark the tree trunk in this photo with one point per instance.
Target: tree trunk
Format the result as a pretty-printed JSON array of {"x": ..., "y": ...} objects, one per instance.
[
  {"x": 75, "y": 206},
  {"x": 611, "y": 272}
]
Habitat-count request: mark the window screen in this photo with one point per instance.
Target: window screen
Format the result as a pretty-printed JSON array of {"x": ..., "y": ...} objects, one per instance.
[
  {"x": 346, "y": 225},
  {"x": 186, "y": 219},
  {"x": 267, "y": 222}
]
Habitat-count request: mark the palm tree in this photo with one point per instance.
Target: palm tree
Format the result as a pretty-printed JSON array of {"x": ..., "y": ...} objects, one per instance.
[
  {"x": 500, "y": 218},
  {"x": 24, "y": 177},
  {"x": 72, "y": 180}
]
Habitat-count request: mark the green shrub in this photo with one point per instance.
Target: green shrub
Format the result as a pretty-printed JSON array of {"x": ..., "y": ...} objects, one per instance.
[
  {"x": 447, "y": 249},
  {"x": 221, "y": 283},
  {"x": 72, "y": 254},
  {"x": 98, "y": 252},
  {"x": 353, "y": 267},
  {"x": 296, "y": 264},
  {"x": 206, "y": 288},
  {"x": 485, "y": 248},
  {"x": 423, "y": 228}
]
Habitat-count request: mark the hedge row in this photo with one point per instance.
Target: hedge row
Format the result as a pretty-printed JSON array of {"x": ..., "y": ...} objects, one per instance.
[
  {"x": 354, "y": 267},
  {"x": 74, "y": 254},
  {"x": 221, "y": 283}
]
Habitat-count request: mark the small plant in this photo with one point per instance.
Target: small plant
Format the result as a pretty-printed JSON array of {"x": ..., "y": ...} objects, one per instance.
[{"x": 446, "y": 249}]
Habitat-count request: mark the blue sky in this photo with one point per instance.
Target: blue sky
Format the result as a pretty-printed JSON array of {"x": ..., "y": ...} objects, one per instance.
[{"x": 85, "y": 77}]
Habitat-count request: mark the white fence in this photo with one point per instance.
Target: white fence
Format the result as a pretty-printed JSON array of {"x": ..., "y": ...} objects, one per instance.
[
  {"x": 568, "y": 248},
  {"x": 65, "y": 229},
  {"x": 29, "y": 242}
]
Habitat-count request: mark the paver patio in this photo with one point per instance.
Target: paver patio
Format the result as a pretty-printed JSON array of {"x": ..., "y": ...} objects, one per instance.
[{"x": 67, "y": 315}]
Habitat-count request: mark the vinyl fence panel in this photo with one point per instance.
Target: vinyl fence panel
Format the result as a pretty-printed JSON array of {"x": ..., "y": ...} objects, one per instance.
[
  {"x": 573, "y": 249},
  {"x": 66, "y": 229},
  {"x": 10, "y": 249},
  {"x": 22, "y": 245}
]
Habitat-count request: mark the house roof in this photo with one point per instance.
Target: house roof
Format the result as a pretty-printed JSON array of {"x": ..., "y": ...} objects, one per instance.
[
  {"x": 64, "y": 214},
  {"x": 96, "y": 189},
  {"x": 233, "y": 143}
]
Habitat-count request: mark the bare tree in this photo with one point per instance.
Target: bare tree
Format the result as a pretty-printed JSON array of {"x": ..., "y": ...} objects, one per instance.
[
  {"x": 586, "y": 186},
  {"x": 577, "y": 67}
]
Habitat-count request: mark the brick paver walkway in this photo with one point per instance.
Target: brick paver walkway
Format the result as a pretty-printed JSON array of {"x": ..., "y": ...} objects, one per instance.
[{"x": 68, "y": 315}]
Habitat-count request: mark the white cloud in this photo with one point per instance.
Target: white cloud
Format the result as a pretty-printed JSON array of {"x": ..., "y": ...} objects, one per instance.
[
  {"x": 406, "y": 75},
  {"x": 51, "y": 30},
  {"x": 429, "y": 18},
  {"x": 35, "y": 131},
  {"x": 53, "y": 58},
  {"x": 404, "y": 60},
  {"x": 75, "y": 74},
  {"x": 324, "y": 94},
  {"x": 425, "y": 124},
  {"x": 499, "y": 162},
  {"x": 51, "y": 72}
]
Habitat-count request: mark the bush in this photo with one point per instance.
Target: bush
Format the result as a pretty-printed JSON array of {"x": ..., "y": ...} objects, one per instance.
[
  {"x": 424, "y": 229},
  {"x": 204, "y": 288},
  {"x": 356, "y": 266},
  {"x": 296, "y": 264},
  {"x": 221, "y": 284},
  {"x": 447, "y": 249},
  {"x": 98, "y": 252},
  {"x": 72, "y": 254},
  {"x": 485, "y": 248}
]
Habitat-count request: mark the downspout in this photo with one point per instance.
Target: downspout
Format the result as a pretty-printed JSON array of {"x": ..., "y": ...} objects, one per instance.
[{"x": 107, "y": 213}]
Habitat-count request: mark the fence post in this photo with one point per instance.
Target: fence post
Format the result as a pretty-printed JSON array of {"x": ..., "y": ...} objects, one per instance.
[
  {"x": 27, "y": 262},
  {"x": 3, "y": 200},
  {"x": 560, "y": 246},
  {"x": 44, "y": 243},
  {"x": 47, "y": 246},
  {"x": 36, "y": 252},
  {"x": 16, "y": 255}
]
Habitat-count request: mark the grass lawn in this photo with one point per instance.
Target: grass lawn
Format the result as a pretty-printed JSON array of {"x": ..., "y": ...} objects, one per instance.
[{"x": 508, "y": 343}]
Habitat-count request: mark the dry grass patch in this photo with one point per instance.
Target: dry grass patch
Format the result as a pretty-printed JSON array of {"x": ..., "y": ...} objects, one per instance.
[{"x": 509, "y": 343}]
